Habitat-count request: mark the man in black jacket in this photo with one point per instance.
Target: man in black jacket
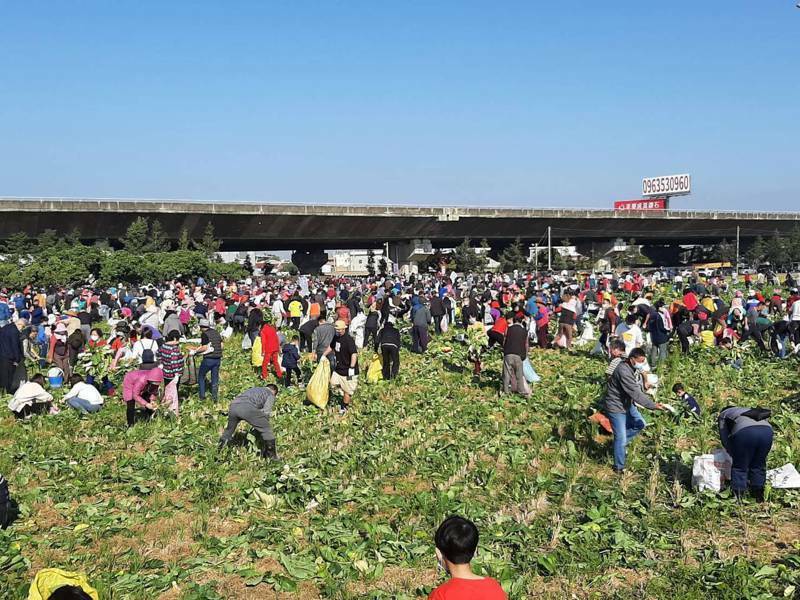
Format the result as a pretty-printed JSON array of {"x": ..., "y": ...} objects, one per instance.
[
  {"x": 11, "y": 353},
  {"x": 515, "y": 351},
  {"x": 389, "y": 342},
  {"x": 437, "y": 312}
]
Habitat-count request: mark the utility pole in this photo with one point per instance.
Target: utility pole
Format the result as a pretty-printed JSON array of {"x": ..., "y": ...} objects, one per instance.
[
  {"x": 737, "y": 249},
  {"x": 536, "y": 258},
  {"x": 549, "y": 250}
]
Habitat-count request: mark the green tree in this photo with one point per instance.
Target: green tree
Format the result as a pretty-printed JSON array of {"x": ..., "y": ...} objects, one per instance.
[
  {"x": 208, "y": 244},
  {"x": 558, "y": 262},
  {"x": 158, "y": 238},
  {"x": 383, "y": 267},
  {"x": 47, "y": 240},
  {"x": 793, "y": 245},
  {"x": 776, "y": 252},
  {"x": 184, "y": 242},
  {"x": 513, "y": 257},
  {"x": 136, "y": 240},
  {"x": 466, "y": 259},
  {"x": 725, "y": 252},
  {"x": 73, "y": 238},
  {"x": 371, "y": 264},
  {"x": 18, "y": 245},
  {"x": 756, "y": 252}
]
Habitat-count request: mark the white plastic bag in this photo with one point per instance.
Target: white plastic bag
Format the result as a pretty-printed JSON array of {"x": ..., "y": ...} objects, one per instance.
[
  {"x": 247, "y": 343},
  {"x": 711, "y": 471},
  {"x": 587, "y": 335},
  {"x": 705, "y": 475},
  {"x": 784, "y": 477},
  {"x": 445, "y": 324},
  {"x": 724, "y": 462},
  {"x": 357, "y": 329}
]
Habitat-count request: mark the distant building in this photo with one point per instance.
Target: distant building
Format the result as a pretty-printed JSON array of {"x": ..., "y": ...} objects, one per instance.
[{"x": 355, "y": 262}]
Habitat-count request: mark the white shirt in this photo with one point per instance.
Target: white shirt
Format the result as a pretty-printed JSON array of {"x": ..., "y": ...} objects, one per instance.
[
  {"x": 144, "y": 344},
  {"x": 796, "y": 310},
  {"x": 84, "y": 391},
  {"x": 632, "y": 338},
  {"x": 28, "y": 393}
]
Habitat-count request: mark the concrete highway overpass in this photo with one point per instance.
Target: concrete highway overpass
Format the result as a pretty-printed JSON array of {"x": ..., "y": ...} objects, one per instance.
[{"x": 313, "y": 228}]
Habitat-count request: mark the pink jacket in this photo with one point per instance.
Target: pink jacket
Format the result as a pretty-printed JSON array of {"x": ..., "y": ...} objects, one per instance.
[{"x": 135, "y": 383}]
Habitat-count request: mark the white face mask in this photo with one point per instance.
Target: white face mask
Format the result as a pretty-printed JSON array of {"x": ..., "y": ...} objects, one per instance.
[
  {"x": 640, "y": 367},
  {"x": 95, "y": 338}
]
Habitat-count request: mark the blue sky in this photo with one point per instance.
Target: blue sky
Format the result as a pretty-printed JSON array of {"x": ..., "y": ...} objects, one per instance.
[{"x": 473, "y": 103}]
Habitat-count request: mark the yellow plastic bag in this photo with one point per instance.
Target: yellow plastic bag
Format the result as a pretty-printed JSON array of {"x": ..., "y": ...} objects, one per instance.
[
  {"x": 375, "y": 369},
  {"x": 48, "y": 581},
  {"x": 319, "y": 386},
  {"x": 708, "y": 338},
  {"x": 255, "y": 352}
]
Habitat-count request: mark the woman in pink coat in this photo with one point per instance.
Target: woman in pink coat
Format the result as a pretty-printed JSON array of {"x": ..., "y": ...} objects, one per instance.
[{"x": 141, "y": 387}]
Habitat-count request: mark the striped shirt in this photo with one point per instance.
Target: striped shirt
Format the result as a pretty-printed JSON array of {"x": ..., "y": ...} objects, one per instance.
[{"x": 171, "y": 358}]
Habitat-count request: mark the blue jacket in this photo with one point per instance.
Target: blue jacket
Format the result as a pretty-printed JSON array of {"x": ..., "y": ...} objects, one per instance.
[
  {"x": 658, "y": 333},
  {"x": 291, "y": 356},
  {"x": 531, "y": 308},
  {"x": 5, "y": 312}
]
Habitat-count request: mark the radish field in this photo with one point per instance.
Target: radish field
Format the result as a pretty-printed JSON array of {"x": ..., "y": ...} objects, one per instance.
[{"x": 157, "y": 512}]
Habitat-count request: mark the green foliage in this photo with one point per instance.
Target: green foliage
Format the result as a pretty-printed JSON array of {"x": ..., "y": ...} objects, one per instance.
[
  {"x": 158, "y": 512},
  {"x": 757, "y": 252},
  {"x": 776, "y": 251},
  {"x": 222, "y": 270},
  {"x": 136, "y": 239},
  {"x": 514, "y": 258},
  {"x": 208, "y": 244},
  {"x": 18, "y": 245},
  {"x": 466, "y": 259},
  {"x": 54, "y": 261},
  {"x": 158, "y": 238},
  {"x": 184, "y": 242},
  {"x": 383, "y": 267},
  {"x": 725, "y": 252}
]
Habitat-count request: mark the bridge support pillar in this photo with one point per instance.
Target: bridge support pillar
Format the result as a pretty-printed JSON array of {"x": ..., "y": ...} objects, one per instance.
[
  {"x": 406, "y": 256},
  {"x": 309, "y": 261}
]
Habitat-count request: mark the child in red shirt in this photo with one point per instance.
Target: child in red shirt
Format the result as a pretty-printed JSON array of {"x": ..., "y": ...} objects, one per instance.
[{"x": 456, "y": 541}]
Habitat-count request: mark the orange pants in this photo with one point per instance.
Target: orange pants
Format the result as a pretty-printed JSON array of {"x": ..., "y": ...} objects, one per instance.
[{"x": 272, "y": 357}]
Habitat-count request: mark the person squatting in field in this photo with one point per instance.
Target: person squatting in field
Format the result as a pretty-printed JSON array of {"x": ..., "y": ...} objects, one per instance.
[{"x": 254, "y": 406}]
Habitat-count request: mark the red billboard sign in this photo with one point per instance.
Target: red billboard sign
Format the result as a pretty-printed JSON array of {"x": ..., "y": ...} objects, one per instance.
[{"x": 645, "y": 204}]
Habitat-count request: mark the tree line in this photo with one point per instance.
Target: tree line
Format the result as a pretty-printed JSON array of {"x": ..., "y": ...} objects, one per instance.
[{"x": 146, "y": 255}]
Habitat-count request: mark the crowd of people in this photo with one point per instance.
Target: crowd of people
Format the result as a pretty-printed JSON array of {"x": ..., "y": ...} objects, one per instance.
[{"x": 154, "y": 340}]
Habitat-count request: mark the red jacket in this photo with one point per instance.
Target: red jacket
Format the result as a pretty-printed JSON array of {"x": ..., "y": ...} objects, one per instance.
[
  {"x": 500, "y": 326},
  {"x": 269, "y": 339}
]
